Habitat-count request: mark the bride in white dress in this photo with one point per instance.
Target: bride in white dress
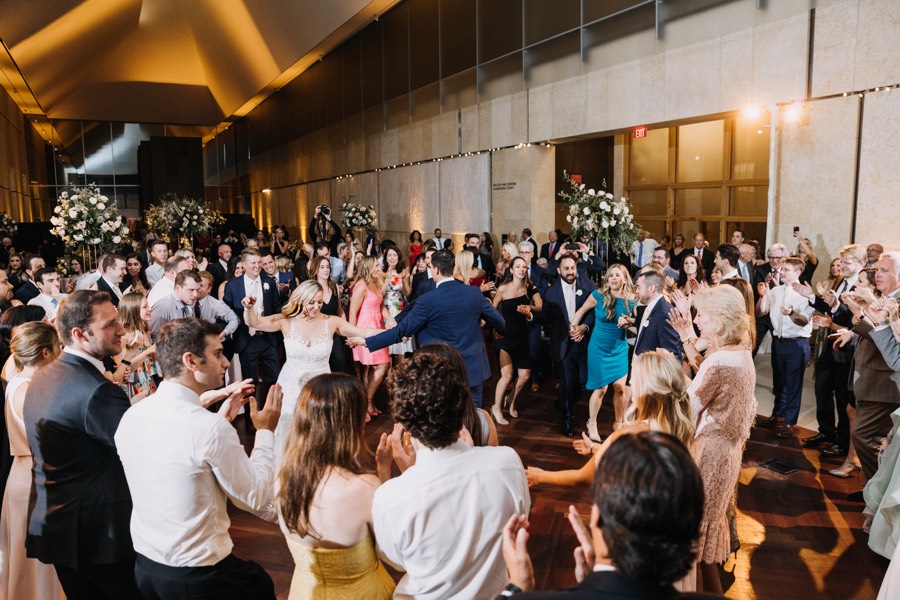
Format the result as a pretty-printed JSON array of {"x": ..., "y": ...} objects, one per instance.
[{"x": 308, "y": 336}]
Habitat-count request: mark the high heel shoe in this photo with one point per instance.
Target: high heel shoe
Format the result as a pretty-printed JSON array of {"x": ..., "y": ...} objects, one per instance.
[
  {"x": 512, "y": 409},
  {"x": 592, "y": 432},
  {"x": 498, "y": 416},
  {"x": 846, "y": 470}
]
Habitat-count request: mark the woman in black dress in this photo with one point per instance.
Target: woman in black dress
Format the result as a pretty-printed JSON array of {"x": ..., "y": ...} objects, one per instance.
[
  {"x": 516, "y": 298},
  {"x": 320, "y": 269}
]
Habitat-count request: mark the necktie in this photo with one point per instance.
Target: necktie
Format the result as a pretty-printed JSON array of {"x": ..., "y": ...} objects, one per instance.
[
  {"x": 185, "y": 311},
  {"x": 197, "y": 309},
  {"x": 640, "y": 254},
  {"x": 54, "y": 302},
  {"x": 550, "y": 252},
  {"x": 744, "y": 271},
  {"x": 254, "y": 291},
  {"x": 777, "y": 276},
  {"x": 843, "y": 288}
]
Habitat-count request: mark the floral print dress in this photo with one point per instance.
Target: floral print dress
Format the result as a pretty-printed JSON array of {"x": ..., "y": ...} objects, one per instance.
[{"x": 395, "y": 301}]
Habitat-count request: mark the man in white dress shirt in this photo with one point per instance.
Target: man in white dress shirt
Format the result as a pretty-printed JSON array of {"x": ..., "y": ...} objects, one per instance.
[
  {"x": 438, "y": 239},
  {"x": 183, "y": 463},
  {"x": 642, "y": 250},
  {"x": 441, "y": 520},
  {"x": 47, "y": 280},
  {"x": 165, "y": 286},
  {"x": 180, "y": 304},
  {"x": 791, "y": 317},
  {"x": 159, "y": 250}
]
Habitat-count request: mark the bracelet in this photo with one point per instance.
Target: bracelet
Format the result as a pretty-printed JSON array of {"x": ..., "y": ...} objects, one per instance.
[
  {"x": 511, "y": 589},
  {"x": 689, "y": 340},
  {"x": 125, "y": 362}
]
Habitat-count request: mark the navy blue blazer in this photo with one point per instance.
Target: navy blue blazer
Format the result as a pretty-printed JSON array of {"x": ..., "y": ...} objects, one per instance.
[
  {"x": 452, "y": 313},
  {"x": 555, "y": 314},
  {"x": 104, "y": 287},
  {"x": 235, "y": 293},
  {"x": 658, "y": 333}
]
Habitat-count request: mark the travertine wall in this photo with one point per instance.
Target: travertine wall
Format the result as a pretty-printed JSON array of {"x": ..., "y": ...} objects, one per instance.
[{"x": 523, "y": 187}]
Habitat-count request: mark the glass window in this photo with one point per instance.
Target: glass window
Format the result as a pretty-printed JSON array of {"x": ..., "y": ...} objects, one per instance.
[
  {"x": 648, "y": 202},
  {"x": 690, "y": 227},
  {"x": 753, "y": 230},
  {"x": 751, "y": 149},
  {"x": 544, "y": 19},
  {"x": 749, "y": 201},
  {"x": 700, "y": 151},
  {"x": 656, "y": 228},
  {"x": 499, "y": 28},
  {"x": 649, "y": 158},
  {"x": 702, "y": 201},
  {"x": 457, "y": 36}
]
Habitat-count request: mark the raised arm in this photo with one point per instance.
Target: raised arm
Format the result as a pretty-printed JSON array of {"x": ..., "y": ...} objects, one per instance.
[{"x": 269, "y": 324}]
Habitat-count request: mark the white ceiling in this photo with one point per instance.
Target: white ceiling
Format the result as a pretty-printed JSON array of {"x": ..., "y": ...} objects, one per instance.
[{"x": 195, "y": 62}]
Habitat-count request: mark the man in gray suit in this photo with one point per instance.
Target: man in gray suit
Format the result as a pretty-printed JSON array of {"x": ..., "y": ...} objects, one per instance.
[{"x": 874, "y": 383}]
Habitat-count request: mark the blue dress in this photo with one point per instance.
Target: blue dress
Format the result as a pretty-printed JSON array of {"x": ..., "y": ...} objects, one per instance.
[{"x": 608, "y": 348}]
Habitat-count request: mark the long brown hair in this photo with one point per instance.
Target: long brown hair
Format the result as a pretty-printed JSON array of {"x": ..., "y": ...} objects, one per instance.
[
  {"x": 327, "y": 433},
  {"x": 314, "y": 271},
  {"x": 130, "y": 312}
]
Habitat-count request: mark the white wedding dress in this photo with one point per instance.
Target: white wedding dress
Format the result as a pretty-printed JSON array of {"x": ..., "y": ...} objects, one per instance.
[{"x": 305, "y": 360}]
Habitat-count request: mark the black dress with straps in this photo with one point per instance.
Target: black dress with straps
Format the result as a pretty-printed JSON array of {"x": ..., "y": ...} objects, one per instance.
[{"x": 515, "y": 342}]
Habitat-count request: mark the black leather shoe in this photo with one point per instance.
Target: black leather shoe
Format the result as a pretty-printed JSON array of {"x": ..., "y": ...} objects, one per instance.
[
  {"x": 834, "y": 451},
  {"x": 816, "y": 440},
  {"x": 568, "y": 431},
  {"x": 856, "y": 497}
]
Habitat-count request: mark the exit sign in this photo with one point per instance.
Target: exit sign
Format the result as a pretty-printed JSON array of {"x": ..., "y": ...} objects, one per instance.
[{"x": 639, "y": 133}]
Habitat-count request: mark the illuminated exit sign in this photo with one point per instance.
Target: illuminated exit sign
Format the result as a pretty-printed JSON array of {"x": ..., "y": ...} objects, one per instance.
[{"x": 639, "y": 133}]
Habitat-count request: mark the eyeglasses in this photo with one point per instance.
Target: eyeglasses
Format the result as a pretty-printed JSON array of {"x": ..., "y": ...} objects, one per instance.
[{"x": 776, "y": 257}]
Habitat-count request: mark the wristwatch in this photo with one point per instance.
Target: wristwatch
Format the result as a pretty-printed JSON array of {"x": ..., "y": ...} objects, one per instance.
[{"x": 510, "y": 589}]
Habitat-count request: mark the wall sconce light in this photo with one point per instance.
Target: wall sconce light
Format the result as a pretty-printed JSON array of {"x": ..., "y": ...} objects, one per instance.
[{"x": 266, "y": 190}]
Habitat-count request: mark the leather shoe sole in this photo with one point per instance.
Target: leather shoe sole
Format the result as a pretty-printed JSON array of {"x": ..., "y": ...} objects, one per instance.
[
  {"x": 816, "y": 440},
  {"x": 834, "y": 451}
]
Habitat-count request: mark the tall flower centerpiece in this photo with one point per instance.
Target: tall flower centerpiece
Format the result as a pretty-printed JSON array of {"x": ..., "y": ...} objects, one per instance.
[
  {"x": 600, "y": 216},
  {"x": 181, "y": 219},
  {"x": 8, "y": 226},
  {"x": 357, "y": 216},
  {"x": 88, "y": 223}
]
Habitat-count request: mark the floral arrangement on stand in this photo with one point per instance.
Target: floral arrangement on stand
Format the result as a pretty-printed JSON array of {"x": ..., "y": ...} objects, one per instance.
[
  {"x": 181, "y": 218},
  {"x": 600, "y": 216},
  {"x": 357, "y": 216},
  {"x": 88, "y": 223},
  {"x": 8, "y": 226}
]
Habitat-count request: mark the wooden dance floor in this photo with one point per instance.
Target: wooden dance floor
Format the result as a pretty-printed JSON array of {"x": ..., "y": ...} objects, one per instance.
[{"x": 800, "y": 536}]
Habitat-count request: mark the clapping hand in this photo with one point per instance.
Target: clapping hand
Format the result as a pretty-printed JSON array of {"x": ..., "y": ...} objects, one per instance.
[
  {"x": 267, "y": 418},
  {"x": 822, "y": 321},
  {"x": 804, "y": 289},
  {"x": 830, "y": 298},
  {"x": 515, "y": 552},
  {"x": 584, "y": 553},
  {"x": 762, "y": 288},
  {"x": 822, "y": 287},
  {"x": 384, "y": 455},
  {"x": 787, "y": 309},
  {"x": 683, "y": 326},
  {"x": 682, "y": 303},
  {"x": 403, "y": 451},
  {"x": 841, "y": 338}
]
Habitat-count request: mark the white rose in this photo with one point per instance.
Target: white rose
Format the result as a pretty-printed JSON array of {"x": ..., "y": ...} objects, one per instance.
[
  {"x": 604, "y": 205},
  {"x": 568, "y": 219},
  {"x": 92, "y": 200},
  {"x": 64, "y": 195},
  {"x": 95, "y": 241},
  {"x": 73, "y": 213},
  {"x": 604, "y": 224},
  {"x": 625, "y": 210},
  {"x": 117, "y": 239},
  {"x": 612, "y": 222},
  {"x": 573, "y": 209},
  {"x": 103, "y": 199},
  {"x": 616, "y": 210},
  {"x": 78, "y": 237},
  {"x": 101, "y": 206},
  {"x": 586, "y": 210},
  {"x": 591, "y": 192},
  {"x": 581, "y": 187},
  {"x": 609, "y": 196},
  {"x": 57, "y": 210},
  {"x": 75, "y": 197}
]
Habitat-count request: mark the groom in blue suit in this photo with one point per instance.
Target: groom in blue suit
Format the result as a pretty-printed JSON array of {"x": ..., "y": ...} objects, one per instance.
[
  {"x": 452, "y": 313},
  {"x": 568, "y": 347}
]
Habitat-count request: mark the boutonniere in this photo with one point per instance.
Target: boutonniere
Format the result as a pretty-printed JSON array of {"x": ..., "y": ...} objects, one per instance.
[
  {"x": 578, "y": 292},
  {"x": 265, "y": 286}
]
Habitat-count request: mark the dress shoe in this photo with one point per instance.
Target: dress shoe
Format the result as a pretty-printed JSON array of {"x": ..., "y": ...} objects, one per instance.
[
  {"x": 785, "y": 431},
  {"x": 817, "y": 440},
  {"x": 846, "y": 470},
  {"x": 567, "y": 430},
  {"x": 834, "y": 451},
  {"x": 855, "y": 497},
  {"x": 769, "y": 421}
]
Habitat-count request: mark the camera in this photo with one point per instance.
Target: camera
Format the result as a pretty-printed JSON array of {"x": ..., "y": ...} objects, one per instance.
[
  {"x": 572, "y": 246},
  {"x": 324, "y": 209}
]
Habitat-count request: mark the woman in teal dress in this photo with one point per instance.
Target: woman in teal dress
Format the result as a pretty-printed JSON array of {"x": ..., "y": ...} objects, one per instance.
[{"x": 608, "y": 348}]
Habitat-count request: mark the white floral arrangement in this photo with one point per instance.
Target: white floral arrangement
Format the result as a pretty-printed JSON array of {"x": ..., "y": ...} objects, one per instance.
[
  {"x": 176, "y": 217},
  {"x": 600, "y": 216},
  {"x": 87, "y": 220},
  {"x": 8, "y": 225},
  {"x": 359, "y": 216}
]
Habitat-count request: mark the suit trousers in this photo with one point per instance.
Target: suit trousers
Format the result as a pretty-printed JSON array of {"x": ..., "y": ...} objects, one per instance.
[
  {"x": 790, "y": 357},
  {"x": 873, "y": 422},
  {"x": 99, "y": 582},
  {"x": 832, "y": 391},
  {"x": 572, "y": 379},
  {"x": 534, "y": 350},
  {"x": 763, "y": 326},
  {"x": 477, "y": 392},
  {"x": 259, "y": 362},
  {"x": 229, "y": 579}
]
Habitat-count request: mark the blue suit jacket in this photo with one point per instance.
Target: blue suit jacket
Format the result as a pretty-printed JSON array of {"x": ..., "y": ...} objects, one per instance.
[
  {"x": 235, "y": 293},
  {"x": 658, "y": 333},
  {"x": 555, "y": 314},
  {"x": 451, "y": 313}
]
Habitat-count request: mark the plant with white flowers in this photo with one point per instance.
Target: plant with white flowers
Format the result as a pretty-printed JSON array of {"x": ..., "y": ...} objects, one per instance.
[
  {"x": 357, "y": 216},
  {"x": 8, "y": 225},
  {"x": 176, "y": 217},
  {"x": 88, "y": 222},
  {"x": 600, "y": 216}
]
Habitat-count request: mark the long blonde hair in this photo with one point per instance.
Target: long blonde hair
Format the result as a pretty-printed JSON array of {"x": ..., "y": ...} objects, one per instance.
[
  {"x": 29, "y": 341},
  {"x": 464, "y": 265},
  {"x": 609, "y": 299},
  {"x": 660, "y": 393},
  {"x": 305, "y": 292},
  {"x": 367, "y": 267}
]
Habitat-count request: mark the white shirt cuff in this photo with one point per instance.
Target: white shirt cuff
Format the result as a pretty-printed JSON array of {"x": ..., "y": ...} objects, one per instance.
[{"x": 265, "y": 438}]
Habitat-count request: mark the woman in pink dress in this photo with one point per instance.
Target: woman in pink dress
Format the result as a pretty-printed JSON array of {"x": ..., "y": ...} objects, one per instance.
[
  {"x": 33, "y": 346},
  {"x": 366, "y": 311}
]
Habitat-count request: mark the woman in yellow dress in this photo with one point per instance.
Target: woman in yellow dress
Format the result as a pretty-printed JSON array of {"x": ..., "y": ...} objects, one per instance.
[{"x": 325, "y": 488}]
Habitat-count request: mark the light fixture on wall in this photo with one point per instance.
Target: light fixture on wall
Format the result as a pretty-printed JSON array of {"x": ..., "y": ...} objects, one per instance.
[
  {"x": 752, "y": 112},
  {"x": 266, "y": 190}
]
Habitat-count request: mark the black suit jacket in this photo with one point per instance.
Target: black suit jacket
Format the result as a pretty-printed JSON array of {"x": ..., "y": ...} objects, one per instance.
[
  {"x": 658, "y": 332},
  {"x": 707, "y": 260},
  {"x": 218, "y": 272},
  {"x": 235, "y": 293},
  {"x": 554, "y": 313},
  {"x": 547, "y": 253},
  {"x": 610, "y": 585},
  {"x": 104, "y": 287},
  {"x": 80, "y": 507},
  {"x": 421, "y": 284},
  {"x": 26, "y": 292}
]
